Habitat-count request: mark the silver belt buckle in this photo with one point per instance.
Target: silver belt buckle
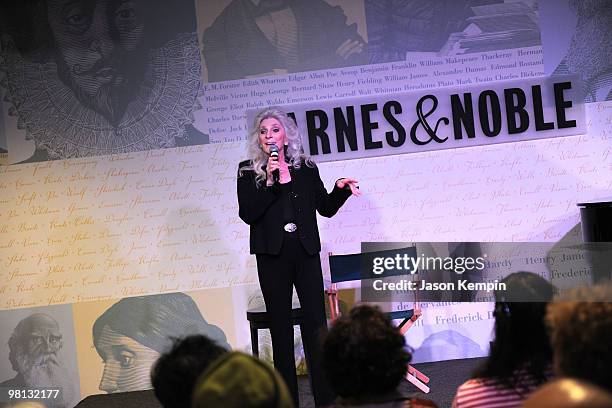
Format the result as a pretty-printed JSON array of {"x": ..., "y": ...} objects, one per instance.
[{"x": 290, "y": 227}]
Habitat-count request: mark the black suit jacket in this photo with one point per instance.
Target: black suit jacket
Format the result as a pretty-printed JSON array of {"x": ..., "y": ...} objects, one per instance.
[{"x": 262, "y": 210}]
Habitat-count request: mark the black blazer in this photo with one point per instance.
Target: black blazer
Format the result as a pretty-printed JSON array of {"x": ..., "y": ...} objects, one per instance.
[{"x": 262, "y": 210}]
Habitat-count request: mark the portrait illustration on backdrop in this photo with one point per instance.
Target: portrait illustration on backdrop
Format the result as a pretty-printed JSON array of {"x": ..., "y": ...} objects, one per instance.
[
  {"x": 589, "y": 52},
  {"x": 3, "y": 145},
  {"x": 132, "y": 334},
  {"x": 397, "y": 28},
  {"x": 87, "y": 78},
  {"x": 35, "y": 354},
  {"x": 269, "y": 37}
]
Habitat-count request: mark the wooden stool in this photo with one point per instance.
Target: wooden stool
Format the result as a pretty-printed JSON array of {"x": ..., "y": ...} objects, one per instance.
[{"x": 258, "y": 319}]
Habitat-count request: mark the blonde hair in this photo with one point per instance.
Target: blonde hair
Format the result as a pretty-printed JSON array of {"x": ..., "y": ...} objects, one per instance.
[
  {"x": 580, "y": 324},
  {"x": 294, "y": 153}
]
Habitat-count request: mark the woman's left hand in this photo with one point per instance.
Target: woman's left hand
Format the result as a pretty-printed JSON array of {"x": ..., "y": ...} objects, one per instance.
[{"x": 352, "y": 183}]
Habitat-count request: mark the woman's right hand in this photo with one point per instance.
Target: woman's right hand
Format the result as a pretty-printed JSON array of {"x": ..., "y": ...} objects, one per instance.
[{"x": 272, "y": 165}]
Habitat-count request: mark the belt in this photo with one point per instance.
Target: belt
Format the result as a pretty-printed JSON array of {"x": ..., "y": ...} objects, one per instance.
[{"x": 290, "y": 227}]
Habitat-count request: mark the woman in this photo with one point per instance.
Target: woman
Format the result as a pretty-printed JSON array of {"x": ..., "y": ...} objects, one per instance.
[
  {"x": 131, "y": 335},
  {"x": 520, "y": 359},
  {"x": 285, "y": 238}
]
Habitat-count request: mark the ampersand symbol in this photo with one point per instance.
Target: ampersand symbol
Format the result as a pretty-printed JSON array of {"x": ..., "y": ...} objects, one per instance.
[{"x": 423, "y": 121}]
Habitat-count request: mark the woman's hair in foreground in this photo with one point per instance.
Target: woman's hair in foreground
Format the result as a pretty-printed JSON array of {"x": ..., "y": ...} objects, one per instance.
[
  {"x": 174, "y": 374},
  {"x": 364, "y": 354},
  {"x": 580, "y": 325},
  {"x": 156, "y": 320},
  {"x": 293, "y": 150},
  {"x": 521, "y": 339}
]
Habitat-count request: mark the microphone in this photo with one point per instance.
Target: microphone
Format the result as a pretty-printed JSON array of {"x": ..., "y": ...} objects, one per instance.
[{"x": 274, "y": 154}]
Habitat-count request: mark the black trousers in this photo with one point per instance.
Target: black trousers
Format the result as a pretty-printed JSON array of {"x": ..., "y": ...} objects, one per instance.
[{"x": 277, "y": 276}]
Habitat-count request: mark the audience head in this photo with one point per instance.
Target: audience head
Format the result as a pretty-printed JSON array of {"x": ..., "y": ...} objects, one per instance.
[
  {"x": 569, "y": 393},
  {"x": 364, "y": 355},
  {"x": 28, "y": 404},
  {"x": 581, "y": 335},
  {"x": 175, "y": 373},
  {"x": 237, "y": 380},
  {"x": 521, "y": 339}
]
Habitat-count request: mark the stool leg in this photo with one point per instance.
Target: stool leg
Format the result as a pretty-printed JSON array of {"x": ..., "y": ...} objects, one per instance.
[
  {"x": 304, "y": 343},
  {"x": 254, "y": 341}
]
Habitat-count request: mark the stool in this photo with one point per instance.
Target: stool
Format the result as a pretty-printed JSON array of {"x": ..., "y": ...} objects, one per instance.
[{"x": 258, "y": 319}]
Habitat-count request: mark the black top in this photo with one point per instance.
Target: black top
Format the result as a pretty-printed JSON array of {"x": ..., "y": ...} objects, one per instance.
[
  {"x": 598, "y": 203},
  {"x": 262, "y": 208},
  {"x": 285, "y": 197}
]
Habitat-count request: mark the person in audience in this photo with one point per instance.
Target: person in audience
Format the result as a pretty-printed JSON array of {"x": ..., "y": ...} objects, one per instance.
[
  {"x": 365, "y": 359},
  {"x": 174, "y": 374},
  {"x": 569, "y": 393},
  {"x": 237, "y": 380},
  {"x": 131, "y": 335},
  {"x": 28, "y": 404},
  {"x": 520, "y": 357},
  {"x": 581, "y": 335}
]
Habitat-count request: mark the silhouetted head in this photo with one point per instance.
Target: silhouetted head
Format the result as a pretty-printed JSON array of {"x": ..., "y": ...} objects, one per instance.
[{"x": 364, "y": 355}]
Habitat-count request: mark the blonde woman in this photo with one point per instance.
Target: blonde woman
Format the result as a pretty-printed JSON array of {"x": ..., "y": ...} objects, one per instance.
[{"x": 281, "y": 211}]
